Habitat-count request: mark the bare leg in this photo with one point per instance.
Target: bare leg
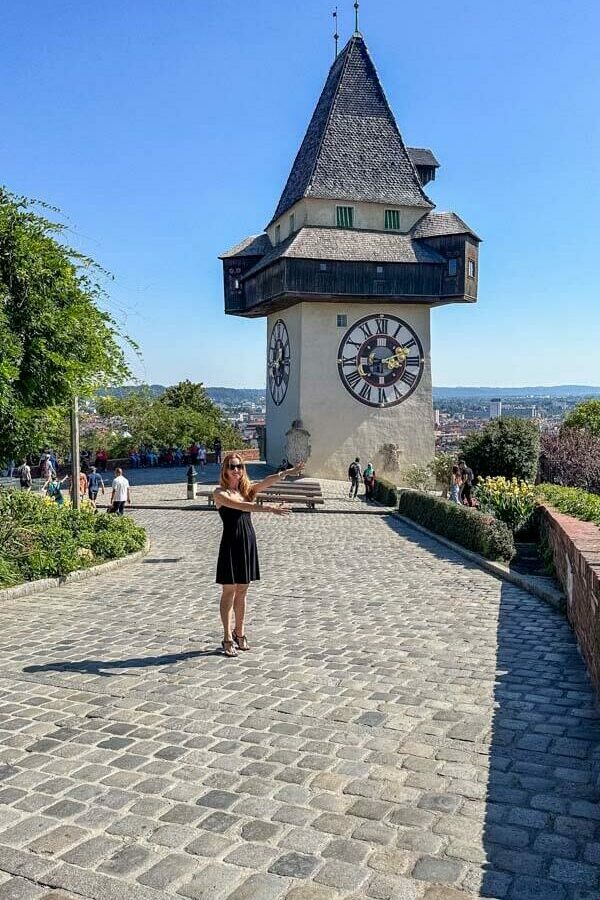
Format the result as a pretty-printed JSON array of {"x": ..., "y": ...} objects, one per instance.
[
  {"x": 226, "y": 608},
  {"x": 239, "y": 608}
]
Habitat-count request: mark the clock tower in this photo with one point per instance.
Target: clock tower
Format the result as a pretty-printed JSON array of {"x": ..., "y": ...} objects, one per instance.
[{"x": 346, "y": 273}]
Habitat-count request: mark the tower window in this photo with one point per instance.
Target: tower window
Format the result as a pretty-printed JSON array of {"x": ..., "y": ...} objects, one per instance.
[
  {"x": 392, "y": 220},
  {"x": 380, "y": 270},
  {"x": 452, "y": 267},
  {"x": 277, "y": 234},
  {"x": 342, "y": 321},
  {"x": 345, "y": 216},
  {"x": 322, "y": 267},
  {"x": 292, "y": 223},
  {"x": 471, "y": 268}
]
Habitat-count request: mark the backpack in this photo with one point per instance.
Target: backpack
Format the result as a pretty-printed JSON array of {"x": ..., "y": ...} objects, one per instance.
[{"x": 354, "y": 471}]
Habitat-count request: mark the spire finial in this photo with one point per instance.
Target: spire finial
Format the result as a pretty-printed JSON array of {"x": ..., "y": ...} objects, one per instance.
[
  {"x": 356, "y": 8},
  {"x": 336, "y": 36}
]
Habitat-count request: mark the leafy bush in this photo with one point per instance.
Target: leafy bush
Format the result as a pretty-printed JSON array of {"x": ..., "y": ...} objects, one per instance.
[
  {"x": 512, "y": 502},
  {"x": 386, "y": 492},
  {"x": 441, "y": 470},
  {"x": 465, "y": 526},
  {"x": 418, "y": 477},
  {"x": 508, "y": 447},
  {"x": 571, "y": 501},
  {"x": 39, "y": 539},
  {"x": 585, "y": 415}
]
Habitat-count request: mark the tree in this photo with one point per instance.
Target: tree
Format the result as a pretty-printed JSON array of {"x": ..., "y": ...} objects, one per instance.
[
  {"x": 56, "y": 340},
  {"x": 571, "y": 458},
  {"x": 508, "y": 447},
  {"x": 585, "y": 415}
]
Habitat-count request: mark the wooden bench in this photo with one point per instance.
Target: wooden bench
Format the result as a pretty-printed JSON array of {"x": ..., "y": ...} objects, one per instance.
[{"x": 308, "y": 494}]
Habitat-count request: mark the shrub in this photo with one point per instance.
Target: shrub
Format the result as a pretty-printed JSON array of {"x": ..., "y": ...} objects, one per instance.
[
  {"x": 508, "y": 447},
  {"x": 585, "y": 415},
  {"x": 386, "y": 492},
  {"x": 441, "y": 470},
  {"x": 512, "y": 502},
  {"x": 571, "y": 501},
  {"x": 465, "y": 526},
  {"x": 39, "y": 539},
  {"x": 572, "y": 458},
  {"x": 418, "y": 477}
]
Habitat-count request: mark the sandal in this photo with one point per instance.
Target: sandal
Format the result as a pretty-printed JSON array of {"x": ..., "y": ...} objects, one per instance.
[
  {"x": 242, "y": 641},
  {"x": 228, "y": 648}
]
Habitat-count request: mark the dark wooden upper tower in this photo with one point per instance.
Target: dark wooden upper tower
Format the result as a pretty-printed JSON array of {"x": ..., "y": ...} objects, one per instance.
[{"x": 353, "y": 222}]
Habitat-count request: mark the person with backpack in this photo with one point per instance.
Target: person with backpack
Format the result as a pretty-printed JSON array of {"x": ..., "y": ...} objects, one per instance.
[
  {"x": 369, "y": 480},
  {"x": 355, "y": 475},
  {"x": 53, "y": 488},
  {"x": 25, "y": 478},
  {"x": 467, "y": 478},
  {"x": 95, "y": 484}
]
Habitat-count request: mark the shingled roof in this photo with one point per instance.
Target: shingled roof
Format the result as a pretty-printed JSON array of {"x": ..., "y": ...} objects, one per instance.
[
  {"x": 349, "y": 246},
  {"x": 438, "y": 224},
  {"x": 255, "y": 245},
  {"x": 353, "y": 149}
]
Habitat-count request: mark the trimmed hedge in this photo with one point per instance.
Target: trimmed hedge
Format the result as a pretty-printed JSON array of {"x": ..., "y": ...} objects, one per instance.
[
  {"x": 572, "y": 501},
  {"x": 465, "y": 526},
  {"x": 39, "y": 539},
  {"x": 386, "y": 492}
]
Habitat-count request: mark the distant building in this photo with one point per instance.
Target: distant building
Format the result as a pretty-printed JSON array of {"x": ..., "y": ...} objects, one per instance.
[
  {"x": 495, "y": 409},
  {"x": 436, "y": 418}
]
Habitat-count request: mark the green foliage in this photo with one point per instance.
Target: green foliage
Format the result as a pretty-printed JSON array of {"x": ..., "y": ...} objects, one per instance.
[
  {"x": 512, "y": 502},
  {"x": 167, "y": 421},
  {"x": 571, "y": 501},
  {"x": 55, "y": 339},
  {"x": 585, "y": 415},
  {"x": 385, "y": 492},
  {"x": 441, "y": 469},
  {"x": 418, "y": 477},
  {"x": 508, "y": 447},
  {"x": 468, "y": 527},
  {"x": 39, "y": 539}
]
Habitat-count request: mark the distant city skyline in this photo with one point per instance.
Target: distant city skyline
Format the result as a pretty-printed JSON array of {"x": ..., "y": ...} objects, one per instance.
[{"x": 163, "y": 133}]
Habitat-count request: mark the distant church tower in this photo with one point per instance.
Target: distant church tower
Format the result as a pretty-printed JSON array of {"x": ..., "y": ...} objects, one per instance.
[{"x": 346, "y": 272}]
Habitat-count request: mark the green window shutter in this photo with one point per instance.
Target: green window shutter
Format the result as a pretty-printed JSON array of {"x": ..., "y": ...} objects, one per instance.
[
  {"x": 392, "y": 220},
  {"x": 345, "y": 216}
]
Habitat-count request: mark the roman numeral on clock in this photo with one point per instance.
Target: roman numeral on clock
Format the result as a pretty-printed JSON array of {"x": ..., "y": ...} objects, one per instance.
[
  {"x": 413, "y": 361},
  {"x": 366, "y": 330},
  {"x": 353, "y": 378},
  {"x": 382, "y": 326},
  {"x": 382, "y": 396},
  {"x": 365, "y": 392},
  {"x": 408, "y": 378},
  {"x": 409, "y": 344}
]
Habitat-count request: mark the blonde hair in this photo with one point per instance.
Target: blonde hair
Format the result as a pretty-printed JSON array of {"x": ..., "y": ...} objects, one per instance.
[{"x": 245, "y": 486}]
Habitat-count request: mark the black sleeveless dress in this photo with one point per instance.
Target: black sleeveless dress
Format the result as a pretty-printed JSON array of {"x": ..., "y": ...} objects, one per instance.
[{"x": 238, "y": 556}]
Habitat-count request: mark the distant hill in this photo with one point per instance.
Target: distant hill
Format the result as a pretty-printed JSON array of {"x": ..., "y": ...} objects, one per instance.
[
  {"x": 217, "y": 394},
  {"x": 489, "y": 393}
]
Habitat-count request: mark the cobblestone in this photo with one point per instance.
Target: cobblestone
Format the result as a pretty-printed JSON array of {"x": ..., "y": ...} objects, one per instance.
[{"x": 429, "y": 730}]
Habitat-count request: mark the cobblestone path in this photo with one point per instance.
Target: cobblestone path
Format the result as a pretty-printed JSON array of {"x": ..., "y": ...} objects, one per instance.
[{"x": 406, "y": 726}]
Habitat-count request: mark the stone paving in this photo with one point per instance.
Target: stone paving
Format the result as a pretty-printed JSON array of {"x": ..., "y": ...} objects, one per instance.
[{"x": 405, "y": 726}]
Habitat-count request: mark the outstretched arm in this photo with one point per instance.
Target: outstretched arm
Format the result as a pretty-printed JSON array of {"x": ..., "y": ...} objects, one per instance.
[
  {"x": 279, "y": 476},
  {"x": 223, "y": 499}
]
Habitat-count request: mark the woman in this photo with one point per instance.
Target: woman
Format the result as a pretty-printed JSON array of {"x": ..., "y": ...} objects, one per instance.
[
  {"x": 53, "y": 488},
  {"x": 369, "y": 480},
  {"x": 237, "y": 565},
  {"x": 455, "y": 484}
]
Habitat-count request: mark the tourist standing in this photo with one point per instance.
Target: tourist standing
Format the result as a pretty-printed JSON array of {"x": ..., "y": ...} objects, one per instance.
[
  {"x": 25, "y": 478},
  {"x": 46, "y": 470},
  {"x": 121, "y": 493},
  {"x": 455, "y": 484},
  {"x": 218, "y": 450},
  {"x": 237, "y": 564},
  {"x": 202, "y": 455},
  {"x": 369, "y": 480},
  {"x": 53, "y": 488},
  {"x": 354, "y": 474},
  {"x": 95, "y": 484},
  {"x": 467, "y": 478}
]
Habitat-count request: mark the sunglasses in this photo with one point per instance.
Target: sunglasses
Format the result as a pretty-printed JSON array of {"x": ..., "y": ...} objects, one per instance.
[{"x": 236, "y": 466}]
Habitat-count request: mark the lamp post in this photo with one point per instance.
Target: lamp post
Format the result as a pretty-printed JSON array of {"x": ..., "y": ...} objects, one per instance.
[{"x": 75, "y": 452}]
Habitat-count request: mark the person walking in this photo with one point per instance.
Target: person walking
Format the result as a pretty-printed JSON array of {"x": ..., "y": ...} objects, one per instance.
[
  {"x": 237, "y": 564},
  {"x": 25, "y": 477},
  {"x": 369, "y": 481},
  {"x": 218, "y": 450},
  {"x": 467, "y": 478},
  {"x": 455, "y": 484},
  {"x": 354, "y": 474},
  {"x": 121, "y": 493},
  {"x": 95, "y": 484},
  {"x": 202, "y": 456},
  {"x": 46, "y": 470},
  {"x": 53, "y": 488}
]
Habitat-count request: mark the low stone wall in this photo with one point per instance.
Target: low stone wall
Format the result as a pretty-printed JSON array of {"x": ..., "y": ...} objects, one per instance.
[
  {"x": 248, "y": 455},
  {"x": 575, "y": 548}
]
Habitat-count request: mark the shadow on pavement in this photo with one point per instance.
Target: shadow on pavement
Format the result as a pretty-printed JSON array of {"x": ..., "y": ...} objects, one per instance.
[{"x": 98, "y": 666}]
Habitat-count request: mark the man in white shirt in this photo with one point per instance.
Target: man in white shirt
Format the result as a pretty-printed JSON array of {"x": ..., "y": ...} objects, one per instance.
[{"x": 121, "y": 493}]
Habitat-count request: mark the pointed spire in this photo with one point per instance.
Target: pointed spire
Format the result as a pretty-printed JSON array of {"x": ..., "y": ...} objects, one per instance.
[
  {"x": 352, "y": 149},
  {"x": 336, "y": 36},
  {"x": 356, "y": 8}
]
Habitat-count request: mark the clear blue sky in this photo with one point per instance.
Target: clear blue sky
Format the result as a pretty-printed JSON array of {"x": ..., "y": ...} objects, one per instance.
[{"x": 165, "y": 130}]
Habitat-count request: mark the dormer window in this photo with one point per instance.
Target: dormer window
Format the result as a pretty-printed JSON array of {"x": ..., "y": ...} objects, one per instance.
[
  {"x": 344, "y": 216},
  {"x": 292, "y": 223},
  {"x": 392, "y": 220},
  {"x": 277, "y": 234}
]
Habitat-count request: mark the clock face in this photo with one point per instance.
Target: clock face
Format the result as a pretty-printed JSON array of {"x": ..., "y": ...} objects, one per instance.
[
  {"x": 380, "y": 360},
  {"x": 278, "y": 363}
]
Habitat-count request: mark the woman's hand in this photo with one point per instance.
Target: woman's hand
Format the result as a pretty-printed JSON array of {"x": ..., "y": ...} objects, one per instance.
[
  {"x": 297, "y": 470},
  {"x": 280, "y": 509}
]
